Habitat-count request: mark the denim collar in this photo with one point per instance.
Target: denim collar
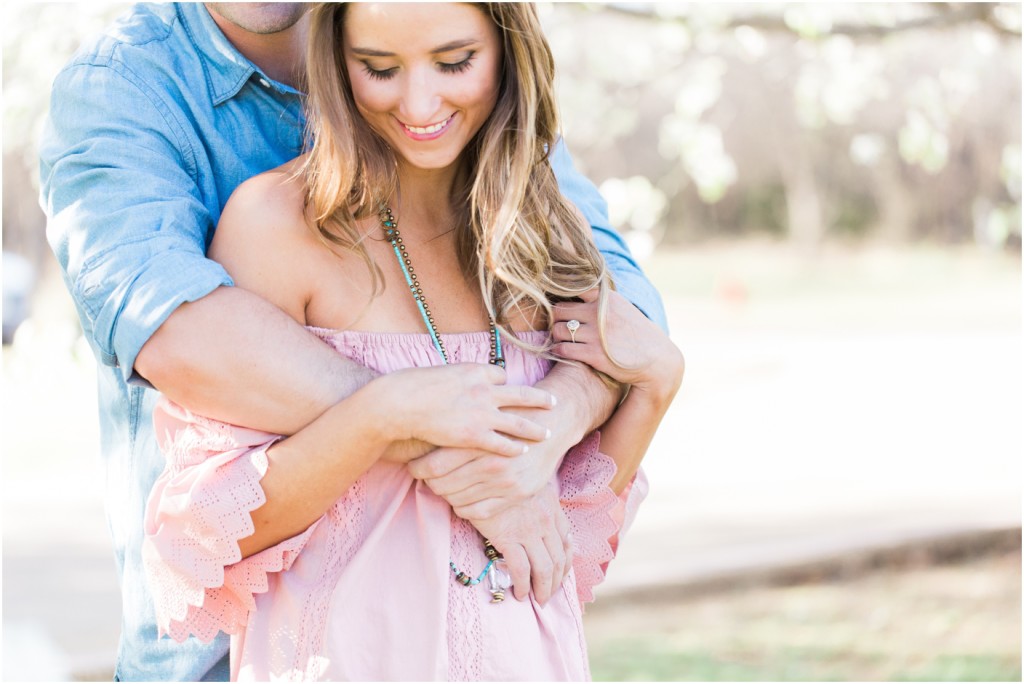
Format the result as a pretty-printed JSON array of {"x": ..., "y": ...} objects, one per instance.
[{"x": 226, "y": 69}]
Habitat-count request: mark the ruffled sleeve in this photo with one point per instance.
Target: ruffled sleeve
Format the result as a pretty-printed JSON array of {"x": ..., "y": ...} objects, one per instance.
[
  {"x": 597, "y": 517},
  {"x": 197, "y": 512}
]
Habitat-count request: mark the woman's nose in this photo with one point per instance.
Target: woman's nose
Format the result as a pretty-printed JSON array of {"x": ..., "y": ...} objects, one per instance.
[{"x": 421, "y": 100}]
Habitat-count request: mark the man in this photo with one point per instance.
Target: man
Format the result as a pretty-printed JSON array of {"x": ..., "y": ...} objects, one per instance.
[{"x": 152, "y": 126}]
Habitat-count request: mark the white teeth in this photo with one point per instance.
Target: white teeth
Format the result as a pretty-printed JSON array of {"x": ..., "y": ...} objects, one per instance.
[{"x": 429, "y": 129}]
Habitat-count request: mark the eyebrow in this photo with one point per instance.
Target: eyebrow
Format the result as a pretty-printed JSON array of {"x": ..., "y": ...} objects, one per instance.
[{"x": 447, "y": 47}]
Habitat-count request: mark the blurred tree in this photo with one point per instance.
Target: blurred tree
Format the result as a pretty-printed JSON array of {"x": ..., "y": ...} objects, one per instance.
[
  {"x": 896, "y": 121},
  {"x": 892, "y": 120}
]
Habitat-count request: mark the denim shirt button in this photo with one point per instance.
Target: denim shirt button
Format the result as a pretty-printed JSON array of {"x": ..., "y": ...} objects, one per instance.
[{"x": 265, "y": 83}]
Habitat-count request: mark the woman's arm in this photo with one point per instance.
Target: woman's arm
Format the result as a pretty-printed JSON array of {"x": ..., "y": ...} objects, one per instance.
[
  {"x": 649, "y": 363},
  {"x": 234, "y": 505},
  {"x": 265, "y": 245},
  {"x": 310, "y": 470}
]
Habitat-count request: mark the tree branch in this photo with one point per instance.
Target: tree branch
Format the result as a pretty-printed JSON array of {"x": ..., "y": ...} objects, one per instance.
[{"x": 947, "y": 16}]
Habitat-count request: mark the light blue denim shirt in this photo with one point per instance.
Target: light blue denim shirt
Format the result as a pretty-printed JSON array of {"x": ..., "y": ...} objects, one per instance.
[{"x": 151, "y": 127}]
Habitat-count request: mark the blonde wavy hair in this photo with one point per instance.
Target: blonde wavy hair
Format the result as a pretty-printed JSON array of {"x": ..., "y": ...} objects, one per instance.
[{"x": 526, "y": 244}]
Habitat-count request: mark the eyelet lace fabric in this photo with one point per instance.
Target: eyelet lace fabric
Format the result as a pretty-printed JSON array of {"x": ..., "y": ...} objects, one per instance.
[
  {"x": 465, "y": 632},
  {"x": 370, "y": 577},
  {"x": 596, "y": 515},
  {"x": 198, "y": 579}
]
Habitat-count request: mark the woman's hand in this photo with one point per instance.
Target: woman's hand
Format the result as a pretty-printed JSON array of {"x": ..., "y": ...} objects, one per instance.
[
  {"x": 460, "y": 406},
  {"x": 644, "y": 358},
  {"x": 647, "y": 358}
]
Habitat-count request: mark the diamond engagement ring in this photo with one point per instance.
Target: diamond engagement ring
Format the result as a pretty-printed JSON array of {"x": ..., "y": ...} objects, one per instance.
[{"x": 573, "y": 325}]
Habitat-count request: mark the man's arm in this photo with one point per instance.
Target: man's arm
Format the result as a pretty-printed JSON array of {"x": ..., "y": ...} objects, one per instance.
[
  {"x": 129, "y": 227},
  {"x": 630, "y": 281},
  {"x": 234, "y": 356}
]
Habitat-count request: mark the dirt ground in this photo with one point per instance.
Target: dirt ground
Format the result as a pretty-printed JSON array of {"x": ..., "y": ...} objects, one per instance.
[{"x": 918, "y": 620}]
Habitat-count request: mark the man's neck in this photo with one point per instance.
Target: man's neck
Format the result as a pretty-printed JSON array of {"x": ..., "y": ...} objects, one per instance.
[{"x": 281, "y": 55}]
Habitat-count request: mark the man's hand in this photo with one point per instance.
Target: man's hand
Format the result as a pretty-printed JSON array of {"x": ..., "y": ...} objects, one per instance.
[
  {"x": 481, "y": 485},
  {"x": 534, "y": 538},
  {"x": 512, "y": 500}
]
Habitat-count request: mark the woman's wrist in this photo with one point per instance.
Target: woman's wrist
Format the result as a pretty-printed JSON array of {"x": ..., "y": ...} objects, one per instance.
[{"x": 371, "y": 406}]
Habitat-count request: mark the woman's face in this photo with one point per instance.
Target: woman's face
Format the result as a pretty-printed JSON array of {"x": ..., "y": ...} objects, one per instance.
[{"x": 425, "y": 76}]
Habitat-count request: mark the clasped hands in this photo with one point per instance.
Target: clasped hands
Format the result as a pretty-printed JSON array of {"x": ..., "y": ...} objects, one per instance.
[
  {"x": 500, "y": 446},
  {"x": 512, "y": 501}
]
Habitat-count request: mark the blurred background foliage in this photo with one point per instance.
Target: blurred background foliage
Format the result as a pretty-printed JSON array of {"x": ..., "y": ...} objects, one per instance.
[
  {"x": 807, "y": 122},
  {"x": 802, "y": 122}
]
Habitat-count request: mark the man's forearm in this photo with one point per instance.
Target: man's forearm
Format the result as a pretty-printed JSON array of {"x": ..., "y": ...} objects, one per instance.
[
  {"x": 585, "y": 402},
  {"x": 234, "y": 357}
]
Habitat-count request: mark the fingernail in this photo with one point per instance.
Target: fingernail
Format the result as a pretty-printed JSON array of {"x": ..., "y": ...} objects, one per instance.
[{"x": 554, "y": 400}]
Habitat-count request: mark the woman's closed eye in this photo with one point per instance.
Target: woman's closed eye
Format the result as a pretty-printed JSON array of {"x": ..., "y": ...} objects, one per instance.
[
  {"x": 379, "y": 74},
  {"x": 457, "y": 67},
  {"x": 445, "y": 67}
]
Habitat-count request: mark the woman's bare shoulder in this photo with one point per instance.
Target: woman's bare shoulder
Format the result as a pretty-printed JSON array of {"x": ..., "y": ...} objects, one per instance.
[
  {"x": 270, "y": 201},
  {"x": 263, "y": 239}
]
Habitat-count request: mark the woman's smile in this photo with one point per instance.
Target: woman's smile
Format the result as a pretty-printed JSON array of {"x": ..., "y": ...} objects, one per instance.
[{"x": 429, "y": 132}]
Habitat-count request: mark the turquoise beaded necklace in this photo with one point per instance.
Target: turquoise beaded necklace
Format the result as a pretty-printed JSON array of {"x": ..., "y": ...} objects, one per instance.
[
  {"x": 391, "y": 234},
  {"x": 499, "y": 580}
]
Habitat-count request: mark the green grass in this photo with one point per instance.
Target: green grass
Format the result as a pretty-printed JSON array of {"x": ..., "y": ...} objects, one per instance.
[
  {"x": 634, "y": 660},
  {"x": 637, "y": 661},
  {"x": 983, "y": 667},
  {"x": 959, "y": 622}
]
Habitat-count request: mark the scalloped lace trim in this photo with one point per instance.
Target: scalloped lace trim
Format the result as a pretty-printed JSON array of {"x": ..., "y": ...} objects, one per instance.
[
  {"x": 596, "y": 515},
  {"x": 197, "y": 512}
]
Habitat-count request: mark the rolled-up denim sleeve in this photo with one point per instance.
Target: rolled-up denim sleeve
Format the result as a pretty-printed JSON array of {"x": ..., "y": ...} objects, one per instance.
[
  {"x": 126, "y": 219},
  {"x": 629, "y": 279}
]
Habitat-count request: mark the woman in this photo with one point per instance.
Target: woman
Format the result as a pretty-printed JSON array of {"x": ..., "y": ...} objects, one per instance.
[{"x": 436, "y": 118}]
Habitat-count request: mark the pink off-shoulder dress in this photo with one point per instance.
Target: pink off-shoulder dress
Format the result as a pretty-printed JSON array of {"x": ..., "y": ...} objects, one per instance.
[{"x": 366, "y": 592}]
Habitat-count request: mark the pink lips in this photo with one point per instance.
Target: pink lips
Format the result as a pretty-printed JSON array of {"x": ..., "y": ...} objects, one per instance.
[{"x": 430, "y": 132}]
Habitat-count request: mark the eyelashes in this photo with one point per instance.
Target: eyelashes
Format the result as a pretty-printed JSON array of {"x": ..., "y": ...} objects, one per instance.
[
  {"x": 457, "y": 67},
  {"x": 381, "y": 75},
  {"x": 445, "y": 67}
]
